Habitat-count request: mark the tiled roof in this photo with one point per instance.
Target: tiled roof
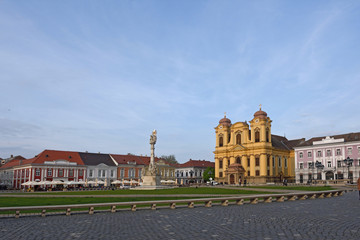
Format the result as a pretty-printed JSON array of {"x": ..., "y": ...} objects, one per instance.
[
  {"x": 19, "y": 157},
  {"x": 96, "y": 159},
  {"x": 124, "y": 159},
  {"x": 146, "y": 160},
  {"x": 17, "y": 162},
  {"x": 53, "y": 155},
  {"x": 283, "y": 143},
  {"x": 348, "y": 137},
  {"x": 196, "y": 163}
]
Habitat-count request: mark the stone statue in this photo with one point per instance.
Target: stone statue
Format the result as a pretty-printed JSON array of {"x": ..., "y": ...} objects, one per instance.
[
  {"x": 153, "y": 138},
  {"x": 149, "y": 175},
  {"x": 152, "y": 166}
]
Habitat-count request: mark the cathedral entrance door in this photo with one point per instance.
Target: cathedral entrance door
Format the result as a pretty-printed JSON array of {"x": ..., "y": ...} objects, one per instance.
[{"x": 232, "y": 179}]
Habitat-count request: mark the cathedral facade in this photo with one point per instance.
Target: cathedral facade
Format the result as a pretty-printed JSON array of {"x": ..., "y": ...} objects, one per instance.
[{"x": 248, "y": 151}]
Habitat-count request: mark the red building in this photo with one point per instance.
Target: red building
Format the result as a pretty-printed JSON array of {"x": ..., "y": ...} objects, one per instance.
[{"x": 47, "y": 166}]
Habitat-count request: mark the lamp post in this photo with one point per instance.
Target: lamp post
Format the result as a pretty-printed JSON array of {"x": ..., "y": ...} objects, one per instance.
[
  {"x": 191, "y": 176},
  {"x": 348, "y": 162},
  {"x": 311, "y": 166},
  {"x": 319, "y": 166},
  {"x": 210, "y": 178}
]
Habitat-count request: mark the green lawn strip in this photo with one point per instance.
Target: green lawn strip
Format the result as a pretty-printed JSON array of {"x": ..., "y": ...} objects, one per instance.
[
  {"x": 33, "y": 201},
  {"x": 299, "y": 188},
  {"x": 187, "y": 190}
]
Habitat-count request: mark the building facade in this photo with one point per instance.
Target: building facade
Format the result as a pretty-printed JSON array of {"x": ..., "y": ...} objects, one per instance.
[
  {"x": 249, "y": 151},
  {"x": 47, "y": 166},
  {"x": 101, "y": 168},
  {"x": 129, "y": 167},
  {"x": 192, "y": 171},
  {"x": 330, "y": 158}
]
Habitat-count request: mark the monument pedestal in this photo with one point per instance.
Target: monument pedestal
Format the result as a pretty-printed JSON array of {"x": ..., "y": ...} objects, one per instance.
[{"x": 151, "y": 181}]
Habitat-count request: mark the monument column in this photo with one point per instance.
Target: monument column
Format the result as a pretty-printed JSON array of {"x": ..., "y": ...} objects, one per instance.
[{"x": 149, "y": 175}]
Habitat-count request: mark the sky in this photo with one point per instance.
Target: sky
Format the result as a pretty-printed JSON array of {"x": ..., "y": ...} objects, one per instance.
[{"x": 99, "y": 76}]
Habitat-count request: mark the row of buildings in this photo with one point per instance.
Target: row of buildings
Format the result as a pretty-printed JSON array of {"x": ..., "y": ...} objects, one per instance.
[
  {"x": 248, "y": 150},
  {"x": 67, "y": 166}
]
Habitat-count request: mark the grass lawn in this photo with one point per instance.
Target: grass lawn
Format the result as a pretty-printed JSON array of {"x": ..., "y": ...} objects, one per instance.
[
  {"x": 175, "y": 191},
  {"x": 299, "y": 188},
  {"x": 34, "y": 201},
  {"x": 40, "y": 201}
]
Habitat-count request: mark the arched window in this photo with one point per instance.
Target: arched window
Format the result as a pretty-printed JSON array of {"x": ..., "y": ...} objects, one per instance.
[
  {"x": 238, "y": 138},
  {"x": 267, "y": 135},
  {"x": 257, "y": 135},
  {"x": 229, "y": 137},
  {"x": 221, "y": 141},
  {"x": 238, "y": 160}
]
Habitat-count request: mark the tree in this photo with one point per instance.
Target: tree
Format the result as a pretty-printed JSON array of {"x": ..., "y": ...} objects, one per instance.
[
  {"x": 169, "y": 159},
  {"x": 209, "y": 173}
]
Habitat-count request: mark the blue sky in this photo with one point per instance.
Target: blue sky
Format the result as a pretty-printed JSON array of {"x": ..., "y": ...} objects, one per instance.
[{"x": 99, "y": 76}]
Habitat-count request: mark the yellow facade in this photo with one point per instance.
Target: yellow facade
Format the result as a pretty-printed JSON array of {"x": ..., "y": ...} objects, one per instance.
[{"x": 263, "y": 156}]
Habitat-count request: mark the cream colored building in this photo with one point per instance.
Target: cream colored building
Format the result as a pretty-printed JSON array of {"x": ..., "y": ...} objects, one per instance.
[{"x": 249, "y": 151}]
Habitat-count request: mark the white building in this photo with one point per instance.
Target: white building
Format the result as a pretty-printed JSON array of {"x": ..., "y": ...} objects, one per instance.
[
  {"x": 101, "y": 168},
  {"x": 192, "y": 171}
]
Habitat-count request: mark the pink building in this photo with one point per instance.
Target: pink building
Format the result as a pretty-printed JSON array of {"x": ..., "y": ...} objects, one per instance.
[{"x": 328, "y": 158}]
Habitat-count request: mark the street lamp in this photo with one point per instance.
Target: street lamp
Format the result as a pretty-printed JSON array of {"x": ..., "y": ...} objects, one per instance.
[
  {"x": 319, "y": 166},
  {"x": 191, "y": 175},
  {"x": 348, "y": 162},
  {"x": 311, "y": 166}
]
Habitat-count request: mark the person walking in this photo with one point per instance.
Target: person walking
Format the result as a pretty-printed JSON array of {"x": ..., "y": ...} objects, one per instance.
[{"x": 358, "y": 183}]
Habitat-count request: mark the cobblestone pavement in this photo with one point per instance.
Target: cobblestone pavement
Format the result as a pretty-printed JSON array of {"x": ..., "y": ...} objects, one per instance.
[{"x": 329, "y": 218}]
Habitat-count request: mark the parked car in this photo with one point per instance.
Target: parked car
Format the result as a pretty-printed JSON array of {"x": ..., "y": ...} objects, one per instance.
[{"x": 212, "y": 183}]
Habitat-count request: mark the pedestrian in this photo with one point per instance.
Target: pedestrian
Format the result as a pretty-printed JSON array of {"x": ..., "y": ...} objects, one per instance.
[
  {"x": 358, "y": 183},
  {"x": 244, "y": 182}
]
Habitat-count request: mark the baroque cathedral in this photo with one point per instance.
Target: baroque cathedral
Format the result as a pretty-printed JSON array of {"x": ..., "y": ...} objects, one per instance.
[{"x": 248, "y": 151}]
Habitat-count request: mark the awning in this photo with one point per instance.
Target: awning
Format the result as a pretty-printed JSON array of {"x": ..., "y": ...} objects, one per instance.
[{"x": 116, "y": 182}]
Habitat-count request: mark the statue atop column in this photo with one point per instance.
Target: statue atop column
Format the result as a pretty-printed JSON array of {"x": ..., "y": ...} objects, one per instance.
[
  {"x": 150, "y": 177},
  {"x": 152, "y": 166}
]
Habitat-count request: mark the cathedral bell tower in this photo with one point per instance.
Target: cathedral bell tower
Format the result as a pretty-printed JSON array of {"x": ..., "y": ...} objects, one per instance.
[
  {"x": 223, "y": 133},
  {"x": 260, "y": 127}
]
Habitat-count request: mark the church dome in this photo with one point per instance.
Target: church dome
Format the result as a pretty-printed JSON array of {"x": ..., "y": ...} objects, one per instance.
[
  {"x": 260, "y": 114},
  {"x": 225, "y": 121}
]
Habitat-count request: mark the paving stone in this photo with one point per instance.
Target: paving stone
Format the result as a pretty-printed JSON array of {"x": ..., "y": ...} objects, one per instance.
[{"x": 328, "y": 218}]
